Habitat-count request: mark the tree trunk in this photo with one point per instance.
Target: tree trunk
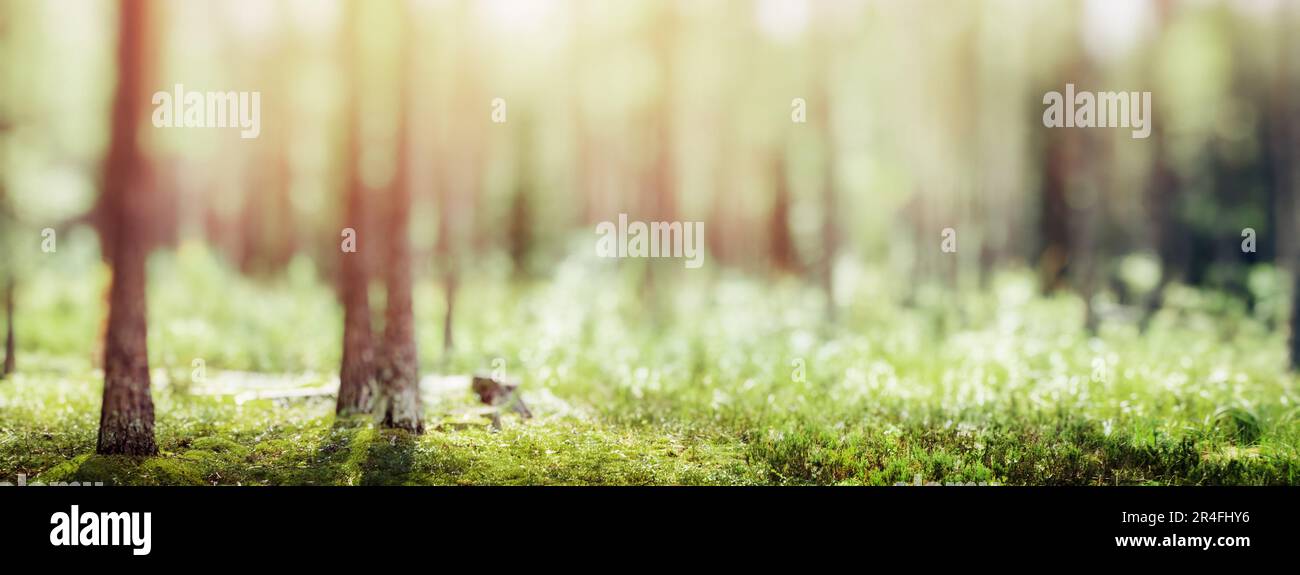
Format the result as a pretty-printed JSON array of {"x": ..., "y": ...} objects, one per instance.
[
  {"x": 1293, "y": 341},
  {"x": 830, "y": 204},
  {"x": 357, "y": 371},
  {"x": 1054, "y": 220},
  {"x": 661, "y": 196},
  {"x": 449, "y": 285},
  {"x": 8, "y": 366},
  {"x": 1169, "y": 236},
  {"x": 399, "y": 377},
  {"x": 781, "y": 244},
  {"x": 1285, "y": 154},
  {"x": 126, "y": 420}
]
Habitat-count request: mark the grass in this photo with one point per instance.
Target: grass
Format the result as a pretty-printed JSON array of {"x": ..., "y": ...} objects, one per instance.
[{"x": 710, "y": 379}]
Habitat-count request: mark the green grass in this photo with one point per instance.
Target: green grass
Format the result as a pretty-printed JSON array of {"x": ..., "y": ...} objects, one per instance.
[{"x": 711, "y": 379}]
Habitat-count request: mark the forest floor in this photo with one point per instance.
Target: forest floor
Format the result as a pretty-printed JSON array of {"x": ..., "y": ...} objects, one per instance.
[{"x": 721, "y": 379}]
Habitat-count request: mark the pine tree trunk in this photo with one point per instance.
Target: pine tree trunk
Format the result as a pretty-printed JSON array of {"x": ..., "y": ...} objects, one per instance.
[
  {"x": 126, "y": 422},
  {"x": 398, "y": 372},
  {"x": 1285, "y": 116},
  {"x": 356, "y": 373},
  {"x": 8, "y": 366},
  {"x": 781, "y": 243},
  {"x": 127, "y": 419},
  {"x": 1294, "y": 340},
  {"x": 399, "y": 377},
  {"x": 830, "y": 207},
  {"x": 449, "y": 283},
  {"x": 819, "y": 107},
  {"x": 1054, "y": 215},
  {"x": 357, "y": 370}
]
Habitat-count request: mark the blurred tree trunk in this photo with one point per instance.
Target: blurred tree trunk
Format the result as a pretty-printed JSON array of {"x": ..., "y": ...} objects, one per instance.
[
  {"x": 1054, "y": 208},
  {"x": 266, "y": 224},
  {"x": 448, "y": 214},
  {"x": 459, "y": 167},
  {"x": 449, "y": 281},
  {"x": 781, "y": 243},
  {"x": 1088, "y": 258},
  {"x": 10, "y": 273},
  {"x": 589, "y": 160},
  {"x": 1169, "y": 236},
  {"x": 357, "y": 371},
  {"x": 1285, "y": 148},
  {"x": 722, "y": 233},
  {"x": 1085, "y": 191},
  {"x": 127, "y": 419},
  {"x": 663, "y": 178},
  {"x": 285, "y": 226},
  {"x": 659, "y": 192},
  {"x": 1001, "y": 62},
  {"x": 521, "y": 234},
  {"x": 398, "y": 374},
  {"x": 830, "y": 202},
  {"x": 8, "y": 366},
  {"x": 252, "y": 241}
]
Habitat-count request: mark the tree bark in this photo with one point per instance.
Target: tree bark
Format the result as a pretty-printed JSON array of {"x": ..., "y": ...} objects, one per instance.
[
  {"x": 127, "y": 418},
  {"x": 126, "y": 422},
  {"x": 357, "y": 371},
  {"x": 399, "y": 377}
]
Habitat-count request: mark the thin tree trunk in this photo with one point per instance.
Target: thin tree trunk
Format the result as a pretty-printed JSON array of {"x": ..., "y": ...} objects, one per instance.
[
  {"x": 448, "y": 204},
  {"x": 399, "y": 376},
  {"x": 1054, "y": 214},
  {"x": 449, "y": 286},
  {"x": 1286, "y": 136},
  {"x": 830, "y": 232},
  {"x": 8, "y": 367},
  {"x": 252, "y": 244},
  {"x": 662, "y": 195},
  {"x": 357, "y": 371},
  {"x": 127, "y": 419},
  {"x": 1292, "y": 340},
  {"x": 1162, "y": 206},
  {"x": 781, "y": 243}
]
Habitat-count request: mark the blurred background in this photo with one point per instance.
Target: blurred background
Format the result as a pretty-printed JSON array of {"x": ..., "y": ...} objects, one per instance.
[{"x": 920, "y": 116}]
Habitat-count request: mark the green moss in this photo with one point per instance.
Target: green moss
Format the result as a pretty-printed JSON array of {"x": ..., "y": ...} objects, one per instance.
[
  {"x": 171, "y": 471},
  {"x": 219, "y": 445},
  {"x": 991, "y": 386},
  {"x": 63, "y": 472},
  {"x": 111, "y": 470}
]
